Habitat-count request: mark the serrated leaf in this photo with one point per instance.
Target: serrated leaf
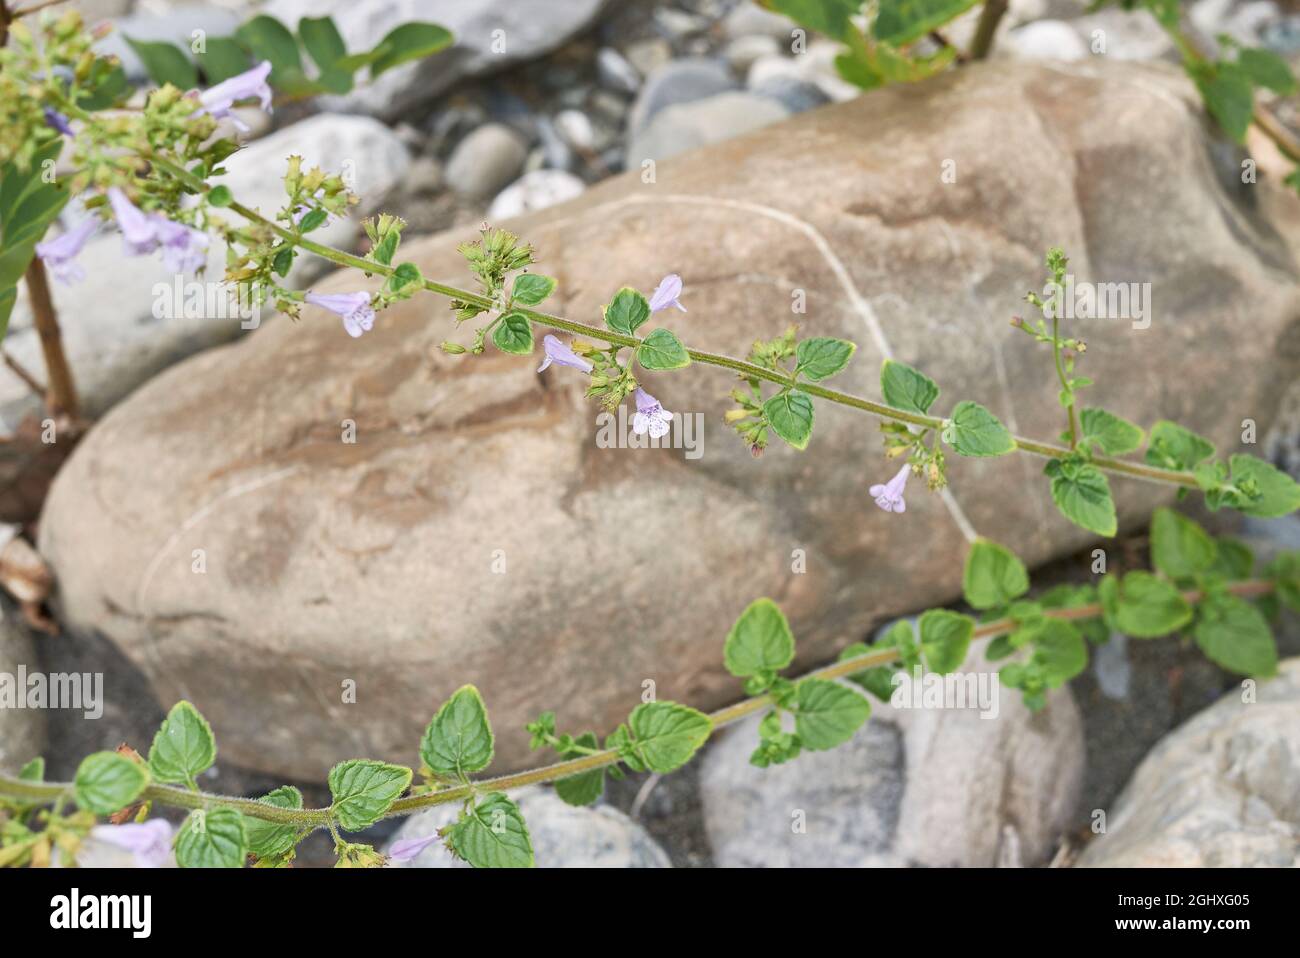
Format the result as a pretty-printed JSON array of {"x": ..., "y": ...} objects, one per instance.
[
  {"x": 459, "y": 740},
  {"x": 530, "y": 289},
  {"x": 906, "y": 388},
  {"x": 974, "y": 431},
  {"x": 107, "y": 782},
  {"x": 902, "y": 21},
  {"x": 363, "y": 790},
  {"x": 666, "y": 734},
  {"x": 212, "y": 839},
  {"x": 1170, "y": 446},
  {"x": 492, "y": 834},
  {"x": 1180, "y": 548},
  {"x": 760, "y": 641},
  {"x": 514, "y": 334},
  {"x": 183, "y": 746},
  {"x": 627, "y": 311},
  {"x": 1232, "y": 633},
  {"x": 790, "y": 415},
  {"x": 827, "y": 713},
  {"x": 1143, "y": 606},
  {"x": 1112, "y": 434},
  {"x": 993, "y": 576},
  {"x": 1082, "y": 493},
  {"x": 822, "y": 357},
  {"x": 1059, "y": 651},
  {"x": 267, "y": 839},
  {"x": 1232, "y": 559},
  {"x": 662, "y": 350},
  {"x": 585, "y": 787},
  {"x": 945, "y": 639},
  {"x": 1275, "y": 493}
]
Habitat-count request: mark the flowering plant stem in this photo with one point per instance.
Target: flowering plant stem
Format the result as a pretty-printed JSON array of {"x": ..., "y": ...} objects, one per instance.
[
  {"x": 179, "y": 797},
  {"x": 747, "y": 369},
  {"x": 60, "y": 393}
]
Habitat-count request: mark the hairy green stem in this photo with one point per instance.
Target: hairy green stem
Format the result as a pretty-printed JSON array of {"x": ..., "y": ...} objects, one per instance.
[
  {"x": 45, "y": 792},
  {"x": 341, "y": 258}
]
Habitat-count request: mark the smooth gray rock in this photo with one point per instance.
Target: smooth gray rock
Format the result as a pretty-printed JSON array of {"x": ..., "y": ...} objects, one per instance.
[
  {"x": 681, "y": 81},
  {"x": 913, "y": 787},
  {"x": 616, "y": 72},
  {"x": 794, "y": 94},
  {"x": 1221, "y": 791},
  {"x": 490, "y": 35},
  {"x": 687, "y": 126},
  {"x": 485, "y": 161},
  {"x": 1046, "y": 40},
  {"x": 563, "y": 835},
  {"x": 535, "y": 190}
]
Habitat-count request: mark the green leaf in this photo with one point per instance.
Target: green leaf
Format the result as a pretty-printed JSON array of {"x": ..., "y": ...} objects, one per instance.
[
  {"x": 974, "y": 431},
  {"x": 827, "y": 713},
  {"x": 879, "y": 680},
  {"x": 491, "y": 834},
  {"x": 902, "y": 21},
  {"x": 1232, "y": 633},
  {"x": 1273, "y": 493},
  {"x": 945, "y": 639},
  {"x": 514, "y": 334},
  {"x": 364, "y": 789},
  {"x": 1180, "y": 548},
  {"x": 220, "y": 196},
  {"x": 666, "y": 735},
  {"x": 1173, "y": 447},
  {"x": 165, "y": 63},
  {"x": 1232, "y": 559},
  {"x": 822, "y": 357},
  {"x": 790, "y": 414},
  {"x": 1265, "y": 68},
  {"x": 993, "y": 576},
  {"x": 1059, "y": 651},
  {"x": 1082, "y": 494},
  {"x": 585, "y": 787},
  {"x": 107, "y": 782},
  {"x": 627, "y": 311},
  {"x": 33, "y": 771},
  {"x": 313, "y": 220},
  {"x": 1229, "y": 97},
  {"x": 830, "y": 17},
  {"x": 531, "y": 288},
  {"x": 183, "y": 747},
  {"x": 322, "y": 40},
  {"x": 267, "y": 839},
  {"x": 410, "y": 41},
  {"x": 223, "y": 59},
  {"x": 662, "y": 350},
  {"x": 1143, "y": 606},
  {"x": 1113, "y": 435},
  {"x": 760, "y": 642},
  {"x": 269, "y": 39},
  {"x": 459, "y": 738},
  {"x": 906, "y": 388},
  {"x": 1284, "y": 571},
  {"x": 212, "y": 839}
]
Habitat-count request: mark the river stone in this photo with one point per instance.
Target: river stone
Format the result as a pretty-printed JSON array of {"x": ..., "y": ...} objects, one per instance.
[
  {"x": 563, "y": 836},
  {"x": 475, "y": 532},
  {"x": 489, "y": 35},
  {"x": 677, "y": 129},
  {"x": 22, "y": 730},
  {"x": 914, "y": 787},
  {"x": 1220, "y": 791}
]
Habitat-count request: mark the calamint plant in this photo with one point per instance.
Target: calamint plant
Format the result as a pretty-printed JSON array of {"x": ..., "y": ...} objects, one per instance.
[{"x": 148, "y": 173}]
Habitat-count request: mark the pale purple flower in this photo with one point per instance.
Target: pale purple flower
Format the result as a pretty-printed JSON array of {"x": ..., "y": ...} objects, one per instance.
[
  {"x": 218, "y": 100},
  {"x": 358, "y": 315},
  {"x": 139, "y": 229},
  {"x": 650, "y": 416},
  {"x": 408, "y": 848},
  {"x": 58, "y": 121},
  {"x": 558, "y": 352},
  {"x": 890, "y": 496},
  {"x": 60, "y": 254},
  {"x": 149, "y": 843},
  {"x": 184, "y": 249},
  {"x": 666, "y": 293}
]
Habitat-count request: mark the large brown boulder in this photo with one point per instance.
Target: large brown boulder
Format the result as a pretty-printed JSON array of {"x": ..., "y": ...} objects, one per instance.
[{"x": 374, "y": 561}]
